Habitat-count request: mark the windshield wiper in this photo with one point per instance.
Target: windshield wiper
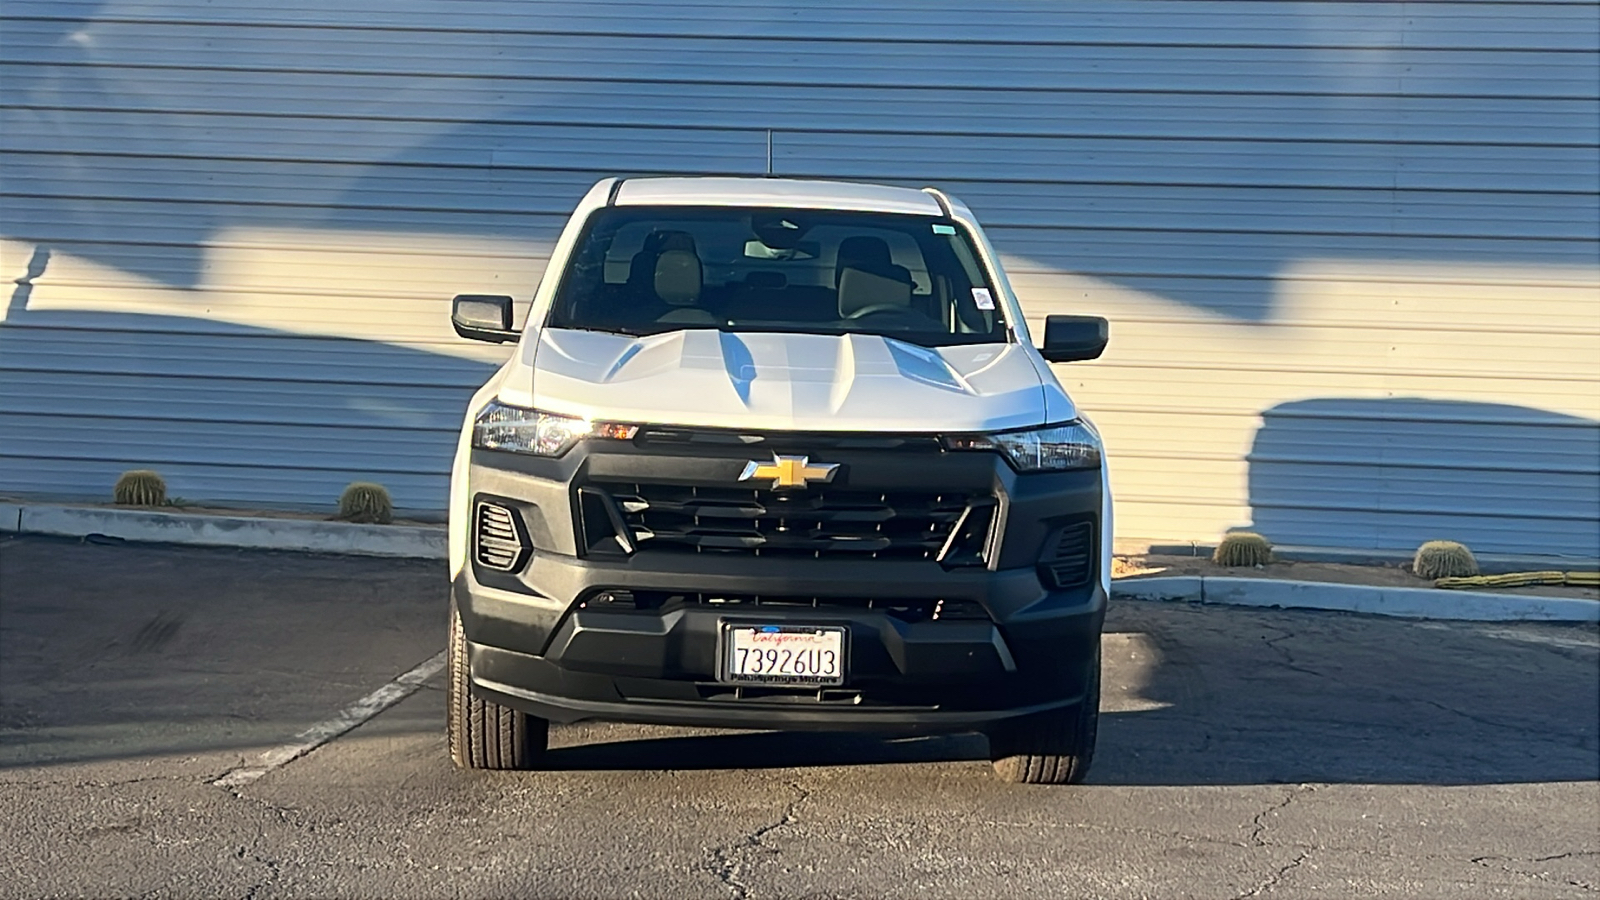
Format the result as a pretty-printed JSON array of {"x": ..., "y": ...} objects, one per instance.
[{"x": 607, "y": 329}]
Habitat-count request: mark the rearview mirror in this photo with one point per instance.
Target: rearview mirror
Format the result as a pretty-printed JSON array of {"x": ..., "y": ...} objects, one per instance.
[
  {"x": 483, "y": 317},
  {"x": 801, "y": 250},
  {"x": 1074, "y": 338}
]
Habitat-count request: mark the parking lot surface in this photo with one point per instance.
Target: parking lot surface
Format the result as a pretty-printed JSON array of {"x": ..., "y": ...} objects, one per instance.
[{"x": 1243, "y": 753}]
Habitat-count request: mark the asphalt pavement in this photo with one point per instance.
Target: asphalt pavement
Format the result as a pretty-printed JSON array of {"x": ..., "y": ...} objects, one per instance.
[{"x": 1243, "y": 753}]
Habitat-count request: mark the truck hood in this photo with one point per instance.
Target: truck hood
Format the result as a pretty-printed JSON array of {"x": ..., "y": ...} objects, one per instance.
[{"x": 803, "y": 382}]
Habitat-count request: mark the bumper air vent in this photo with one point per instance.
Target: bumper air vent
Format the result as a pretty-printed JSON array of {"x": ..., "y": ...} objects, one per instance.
[
  {"x": 662, "y": 602},
  {"x": 499, "y": 539},
  {"x": 1069, "y": 560}
]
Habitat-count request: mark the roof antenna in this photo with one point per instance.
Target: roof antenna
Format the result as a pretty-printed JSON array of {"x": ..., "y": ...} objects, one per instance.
[{"x": 769, "y": 152}]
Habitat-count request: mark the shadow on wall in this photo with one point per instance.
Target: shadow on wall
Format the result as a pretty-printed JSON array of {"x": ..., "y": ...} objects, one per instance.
[
  {"x": 1191, "y": 192},
  {"x": 1390, "y": 474},
  {"x": 226, "y": 413}
]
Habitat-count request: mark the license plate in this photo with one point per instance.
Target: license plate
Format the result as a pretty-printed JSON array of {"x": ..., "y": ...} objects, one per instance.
[{"x": 783, "y": 654}]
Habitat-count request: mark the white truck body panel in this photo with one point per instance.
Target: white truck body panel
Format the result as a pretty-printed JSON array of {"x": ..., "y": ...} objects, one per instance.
[{"x": 786, "y": 382}]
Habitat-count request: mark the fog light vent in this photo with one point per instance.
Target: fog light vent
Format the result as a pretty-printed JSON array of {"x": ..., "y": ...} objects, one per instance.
[
  {"x": 502, "y": 543},
  {"x": 1070, "y": 560}
]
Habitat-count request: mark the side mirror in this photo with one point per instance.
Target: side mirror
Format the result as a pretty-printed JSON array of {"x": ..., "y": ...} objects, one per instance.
[
  {"x": 483, "y": 317},
  {"x": 1073, "y": 338}
]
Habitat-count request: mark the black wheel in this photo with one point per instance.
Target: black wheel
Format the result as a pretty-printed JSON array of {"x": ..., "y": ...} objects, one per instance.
[
  {"x": 483, "y": 734},
  {"x": 1053, "y": 748}
]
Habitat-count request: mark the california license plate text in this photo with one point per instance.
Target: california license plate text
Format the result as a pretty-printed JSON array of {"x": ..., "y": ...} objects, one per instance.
[{"x": 784, "y": 656}]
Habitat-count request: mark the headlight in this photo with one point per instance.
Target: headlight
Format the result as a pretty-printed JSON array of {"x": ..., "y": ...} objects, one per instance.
[
  {"x": 517, "y": 429},
  {"x": 1074, "y": 445}
]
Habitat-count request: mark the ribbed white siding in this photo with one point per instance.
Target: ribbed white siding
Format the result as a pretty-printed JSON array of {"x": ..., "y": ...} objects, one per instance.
[{"x": 1351, "y": 251}]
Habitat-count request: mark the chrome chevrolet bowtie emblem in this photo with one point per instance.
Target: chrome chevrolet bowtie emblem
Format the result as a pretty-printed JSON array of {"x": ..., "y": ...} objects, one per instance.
[{"x": 789, "y": 471}]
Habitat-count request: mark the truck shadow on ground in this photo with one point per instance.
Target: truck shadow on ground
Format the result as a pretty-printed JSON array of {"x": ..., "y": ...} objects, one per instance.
[
  {"x": 139, "y": 653},
  {"x": 1231, "y": 696}
]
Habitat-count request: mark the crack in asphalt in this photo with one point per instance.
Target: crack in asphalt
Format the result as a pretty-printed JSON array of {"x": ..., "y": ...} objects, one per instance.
[
  {"x": 282, "y": 812},
  {"x": 1259, "y": 827},
  {"x": 253, "y": 852},
  {"x": 273, "y": 870},
  {"x": 1256, "y": 841},
  {"x": 1288, "y": 657},
  {"x": 1276, "y": 877},
  {"x": 727, "y": 870},
  {"x": 1506, "y": 861},
  {"x": 1565, "y": 855},
  {"x": 1548, "y": 736}
]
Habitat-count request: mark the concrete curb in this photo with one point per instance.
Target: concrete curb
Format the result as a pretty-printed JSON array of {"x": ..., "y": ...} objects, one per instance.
[
  {"x": 428, "y": 542},
  {"x": 1409, "y": 603},
  {"x": 305, "y": 535},
  {"x": 1489, "y": 563}
]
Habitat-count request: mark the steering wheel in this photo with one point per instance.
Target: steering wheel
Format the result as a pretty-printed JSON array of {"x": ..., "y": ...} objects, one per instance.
[{"x": 879, "y": 309}]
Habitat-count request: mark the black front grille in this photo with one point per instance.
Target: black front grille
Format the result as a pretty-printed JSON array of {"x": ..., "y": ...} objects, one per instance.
[
  {"x": 1069, "y": 560},
  {"x": 811, "y": 523}
]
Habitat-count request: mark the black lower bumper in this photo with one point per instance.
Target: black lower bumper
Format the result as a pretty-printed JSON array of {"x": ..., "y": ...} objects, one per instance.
[{"x": 903, "y": 674}]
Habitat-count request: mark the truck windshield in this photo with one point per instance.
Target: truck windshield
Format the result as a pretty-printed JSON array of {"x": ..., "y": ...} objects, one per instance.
[{"x": 646, "y": 270}]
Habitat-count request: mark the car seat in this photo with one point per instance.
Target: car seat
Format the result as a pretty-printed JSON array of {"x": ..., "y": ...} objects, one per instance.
[
  {"x": 668, "y": 278},
  {"x": 867, "y": 278}
]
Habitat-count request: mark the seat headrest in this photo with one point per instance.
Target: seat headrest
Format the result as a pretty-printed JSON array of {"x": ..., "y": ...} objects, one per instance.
[
  {"x": 859, "y": 289},
  {"x": 661, "y": 241},
  {"x": 678, "y": 277},
  {"x": 642, "y": 269},
  {"x": 863, "y": 252}
]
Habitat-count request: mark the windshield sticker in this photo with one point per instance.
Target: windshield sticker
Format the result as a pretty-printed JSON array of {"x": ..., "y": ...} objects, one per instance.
[
  {"x": 983, "y": 298},
  {"x": 943, "y": 229}
]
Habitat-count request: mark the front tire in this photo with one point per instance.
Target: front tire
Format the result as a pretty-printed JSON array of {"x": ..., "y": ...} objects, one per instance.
[
  {"x": 483, "y": 734},
  {"x": 1051, "y": 748}
]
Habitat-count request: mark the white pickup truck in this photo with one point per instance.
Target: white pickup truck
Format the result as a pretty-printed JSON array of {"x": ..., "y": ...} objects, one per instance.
[{"x": 777, "y": 454}]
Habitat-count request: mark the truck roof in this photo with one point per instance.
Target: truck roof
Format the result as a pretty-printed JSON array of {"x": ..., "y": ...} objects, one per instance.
[{"x": 780, "y": 192}]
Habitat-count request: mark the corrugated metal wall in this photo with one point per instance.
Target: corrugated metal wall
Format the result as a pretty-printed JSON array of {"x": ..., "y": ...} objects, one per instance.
[{"x": 1350, "y": 250}]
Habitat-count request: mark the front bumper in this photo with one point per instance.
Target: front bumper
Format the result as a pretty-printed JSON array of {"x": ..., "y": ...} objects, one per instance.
[
  {"x": 645, "y": 666},
  {"x": 547, "y": 639}
]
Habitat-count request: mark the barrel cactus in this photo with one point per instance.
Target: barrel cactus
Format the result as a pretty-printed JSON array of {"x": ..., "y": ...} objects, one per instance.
[
  {"x": 1444, "y": 559},
  {"x": 140, "y": 487},
  {"x": 363, "y": 501},
  {"x": 1242, "y": 548}
]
